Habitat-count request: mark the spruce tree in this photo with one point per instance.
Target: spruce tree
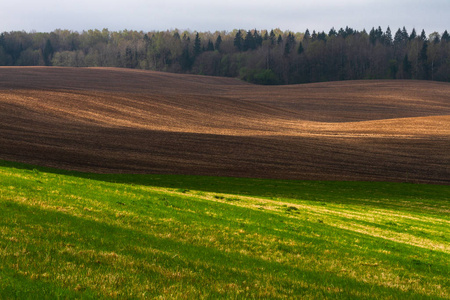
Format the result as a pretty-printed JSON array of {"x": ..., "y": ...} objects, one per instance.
[
  {"x": 350, "y": 31},
  {"x": 413, "y": 34},
  {"x": 272, "y": 37},
  {"x": 405, "y": 34},
  {"x": 398, "y": 39},
  {"x": 388, "y": 37},
  {"x": 197, "y": 45},
  {"x": 128, "y": 58},
  {"x": 218, "y": 42},
  {"x": 210, "y": 46},
  {"x": 249, "y": 42},
  {"x": 406, "y": 67},
  {"x": 287, "y": 49},
  {"x": 373, "y": 36},
  {"x": 435, "y": 38},
  {"x": 332, "y": 32},
  {"x": 445, "y": 37},
  {"x": 393, "y": 68},
  {"x": 300, "y": 49},
  {"x": 258, "y": 38},
  {"x": 423, "y": 36},
  {"x": 307, "y": 35},
  {"x": 185, "y": 60},
  {"x": 48, "y": 52},
  {"x": 280, "y": 39},
  {"x": 423, "y": 58},
  {"x": 238, "y": 41},
  {"x": 322, "y": 36}
]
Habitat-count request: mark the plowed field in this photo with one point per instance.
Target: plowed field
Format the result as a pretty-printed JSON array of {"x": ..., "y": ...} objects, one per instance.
[{"x": 128, "y": 121}]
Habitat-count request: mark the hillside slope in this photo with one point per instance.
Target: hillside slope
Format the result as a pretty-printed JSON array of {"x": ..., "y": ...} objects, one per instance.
[
  {"x": 75, "y": 235},
  {"x": 119, "y": 120}
]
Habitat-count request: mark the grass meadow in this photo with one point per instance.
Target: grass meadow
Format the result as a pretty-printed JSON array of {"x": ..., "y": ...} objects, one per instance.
[{"x": 91, "y": 236}]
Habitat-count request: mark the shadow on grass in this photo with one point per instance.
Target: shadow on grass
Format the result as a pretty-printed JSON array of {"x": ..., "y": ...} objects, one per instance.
[
  {"x": 17, "y": 286},
  {"x": 206, "y": 264},
  {"x": 379, "y": 194}
]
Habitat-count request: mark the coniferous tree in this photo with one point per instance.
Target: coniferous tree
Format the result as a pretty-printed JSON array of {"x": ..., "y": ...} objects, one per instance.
[
  {"x": 48, "y": 52},
  {"x": 249, "y": 42},
  {"x": 307, "y": 35},
  {"x": 300, "y": 49},
  {"x": 406, "y": 67},
  {"x": 185, "y": 59},
  {"x": 238, "y": 41},
  {"x": 128, "y": 58},
  {"x": 413, "y": 34},
  {"x": 258, "y": 39},
  {"x": 346, "y": 54},
  {"x": 218, "y": 42},
  {"x": 290, "y": 44},
  {"x": 210, "y": 46},
  {"x": 423, "y": 36},
  {"x": 379, "y": 34},
  {"x": 405, "y": 35},
  {"x": 388, "y": 37},
  {"x": 332, "y": 32},
  {"x": 197, "y": 45},
  {"x": 435, "y": 38},
  {"x": 186, "y": 38},
  {"x": 393, "y": 68},
  {"x": 398, "y": 39},
  {"x": 287, "y": 49},
  {"x": 445, "y": 37},
  {"x": 272, "y": 37},
  {"x": 373, "y": 36},
  {"x": 279, "y": 40},
  {"x": 423, "y": 58},
  {"x": 321, "y": 36},
  {"x": 349, "y": 31},
  {"x": 291, "y": 39}
]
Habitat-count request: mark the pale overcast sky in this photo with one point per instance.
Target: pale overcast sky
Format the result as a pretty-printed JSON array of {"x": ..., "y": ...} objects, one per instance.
[{"x": 204, "y": 15}]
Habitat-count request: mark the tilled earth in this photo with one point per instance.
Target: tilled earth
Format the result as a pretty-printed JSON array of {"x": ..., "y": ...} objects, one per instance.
[{"x": 128, "y": 121}]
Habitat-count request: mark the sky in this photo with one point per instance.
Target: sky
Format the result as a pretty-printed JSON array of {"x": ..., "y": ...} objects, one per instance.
[{"x": 208, "y": 15}]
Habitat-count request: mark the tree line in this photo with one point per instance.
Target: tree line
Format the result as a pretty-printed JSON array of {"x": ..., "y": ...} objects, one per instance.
[{"x": 257, "y": 56}]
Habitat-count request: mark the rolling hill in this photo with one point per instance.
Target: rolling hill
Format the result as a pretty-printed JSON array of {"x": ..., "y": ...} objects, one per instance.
[
  {"x": 129, "y": 121},
  {"x": 72, "y": 235}
]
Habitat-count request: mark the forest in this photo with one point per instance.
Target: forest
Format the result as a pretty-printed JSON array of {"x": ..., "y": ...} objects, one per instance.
[{"x": 257, "y": 56}]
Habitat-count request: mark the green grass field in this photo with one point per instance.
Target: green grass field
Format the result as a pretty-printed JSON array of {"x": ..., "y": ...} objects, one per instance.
[{"x": 75, "y": 235}]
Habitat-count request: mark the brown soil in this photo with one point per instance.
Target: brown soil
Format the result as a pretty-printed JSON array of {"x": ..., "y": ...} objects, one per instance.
[{"x": 128, "y": 121}]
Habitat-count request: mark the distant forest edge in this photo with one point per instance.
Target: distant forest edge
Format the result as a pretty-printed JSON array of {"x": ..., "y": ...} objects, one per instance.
[{"x": 257, "y": 56}]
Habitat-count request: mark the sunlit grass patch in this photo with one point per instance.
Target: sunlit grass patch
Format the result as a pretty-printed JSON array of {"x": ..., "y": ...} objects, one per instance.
[{"x": 143, "y": 236}]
